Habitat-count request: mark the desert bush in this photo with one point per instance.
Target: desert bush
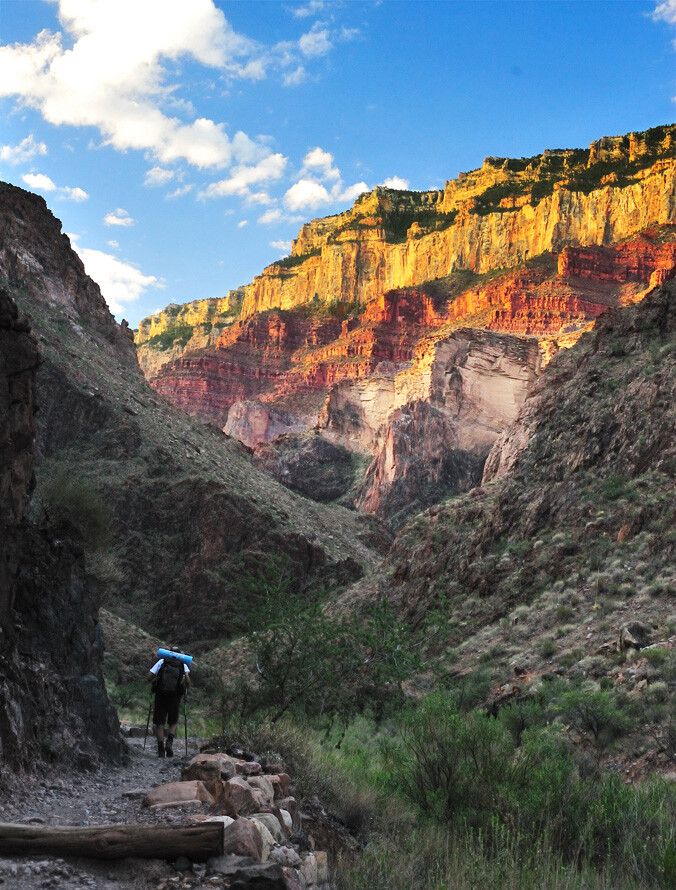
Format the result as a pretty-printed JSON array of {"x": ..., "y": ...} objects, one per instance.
[
  {"x": 595, "y": 715},
  {"x": 74, "y": 506}
]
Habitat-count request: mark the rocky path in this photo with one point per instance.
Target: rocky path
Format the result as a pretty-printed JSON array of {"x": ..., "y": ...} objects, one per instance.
[{"x": 108, "y": 795}]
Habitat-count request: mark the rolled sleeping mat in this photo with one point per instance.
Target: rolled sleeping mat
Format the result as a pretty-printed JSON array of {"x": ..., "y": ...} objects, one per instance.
[{"x": 167, "y": 653}]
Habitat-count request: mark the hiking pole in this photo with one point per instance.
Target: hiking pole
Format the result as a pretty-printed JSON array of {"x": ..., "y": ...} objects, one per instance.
[
  {"x": 185, "y": 719},
  {"x": 150, "y": 707}
]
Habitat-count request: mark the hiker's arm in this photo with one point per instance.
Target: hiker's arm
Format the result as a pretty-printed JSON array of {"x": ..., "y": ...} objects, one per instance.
[
  {"x": 151, "y": 677},
  {"x": 187, "y": 679}
]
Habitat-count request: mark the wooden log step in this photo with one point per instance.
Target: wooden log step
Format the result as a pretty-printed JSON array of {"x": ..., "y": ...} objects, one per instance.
[{"x": 197, "y": 842}]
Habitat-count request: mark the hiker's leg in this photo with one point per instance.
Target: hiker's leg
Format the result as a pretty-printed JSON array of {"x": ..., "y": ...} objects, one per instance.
[{"x": 159, "y": 717}]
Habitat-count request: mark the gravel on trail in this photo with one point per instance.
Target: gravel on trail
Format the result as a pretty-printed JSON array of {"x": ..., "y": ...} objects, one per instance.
[{"x": 108, "y": 795}]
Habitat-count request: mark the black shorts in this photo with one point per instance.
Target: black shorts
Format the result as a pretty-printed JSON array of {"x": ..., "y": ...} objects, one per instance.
[{"x": 166, "y": 708}]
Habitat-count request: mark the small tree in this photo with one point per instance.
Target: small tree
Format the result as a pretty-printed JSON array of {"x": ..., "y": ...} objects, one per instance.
[{"x": 595, "y": 715}]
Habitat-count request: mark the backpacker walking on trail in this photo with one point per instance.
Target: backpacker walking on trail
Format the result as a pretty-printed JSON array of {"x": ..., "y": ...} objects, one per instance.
[{"x": 170, "y": 678}]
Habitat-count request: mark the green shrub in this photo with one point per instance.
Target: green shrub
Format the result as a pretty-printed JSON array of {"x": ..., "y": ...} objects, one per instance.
[
  {"x": 175, "y": 334},
  {"x": 74, "y": 506},
  {"x": 593, "y": 714}
]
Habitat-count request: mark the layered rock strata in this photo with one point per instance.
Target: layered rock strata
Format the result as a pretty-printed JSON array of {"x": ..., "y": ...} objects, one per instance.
[{"x": 362, "y": 253}]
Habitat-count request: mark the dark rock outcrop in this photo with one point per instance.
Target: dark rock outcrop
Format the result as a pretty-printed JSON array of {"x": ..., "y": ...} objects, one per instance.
[{"x": 53, "y": 703}]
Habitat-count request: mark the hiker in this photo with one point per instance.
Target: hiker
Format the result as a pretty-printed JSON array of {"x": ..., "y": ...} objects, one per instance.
[{"x": 170, "y": 678}]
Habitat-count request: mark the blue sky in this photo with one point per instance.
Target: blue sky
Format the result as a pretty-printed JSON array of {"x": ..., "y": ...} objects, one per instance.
[{"x": 183, "y": 142}]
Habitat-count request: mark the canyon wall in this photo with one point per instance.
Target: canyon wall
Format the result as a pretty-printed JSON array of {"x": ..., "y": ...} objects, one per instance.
[
  {"x": 354, "y": 257},
  {"x": 53, "y": 703}
]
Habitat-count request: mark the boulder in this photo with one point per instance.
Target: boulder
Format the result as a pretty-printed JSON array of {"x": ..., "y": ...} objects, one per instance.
[
  {"x": 204, "y": 772},
  {"x": 263, "y": 784},
  {"x": 267, "y": 840},
  {"x": 178, "y": 792},
  {"x": 290, "y": 804},
  {"x": 242, "y": 838},
  {"x": 272, "y": 824},
  {"x": 286, "y": 820},
  {"x": 308, "y": 869},
  {"x": 245, "y": 874},
  {"x": 248, "y": 768},
  {"x": 226, "y": 763},
  {"x": 281, "y": 783},
  {"x": 292, "y": 879},
  {"x": 634, "y": 635},
  {"x": 240, "y": 798}
]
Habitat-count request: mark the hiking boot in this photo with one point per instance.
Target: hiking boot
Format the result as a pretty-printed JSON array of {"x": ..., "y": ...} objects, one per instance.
[
  {"x": 160, "y": 749},
  {"x": 170, "y": 746}
]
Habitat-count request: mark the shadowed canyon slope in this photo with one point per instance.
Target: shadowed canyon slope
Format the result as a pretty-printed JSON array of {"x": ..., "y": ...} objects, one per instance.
[
  {"x": 53, "y": 704},
  {"x": 189, "y": 515},
  {"x": 573, "y": 529},
  {"x": 348, "y": 334}
]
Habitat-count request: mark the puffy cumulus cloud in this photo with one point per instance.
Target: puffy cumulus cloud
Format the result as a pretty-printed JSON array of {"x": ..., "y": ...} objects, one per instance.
[
  {"x": 118, "y": 217},
  {"x": 395, "y": 182},
  {"x": 242, "y": 223},
  {"x": 319, "y": 163},
  {"x": 42, "y": 183},
  {"x": 308, "y": 194},
  {"x": 120, "y": 282},
  {"x": 39, "y": 181},
  {"x": 316, "y": 42},
  {"x": 113, "y": 76},
  {"x": 158, "y": 176},
  {"x": 666, "y": 11},
  {"x": 268, "y": 170},
  {"x": 25, "y": 151},
  {"x": 284, "y": 246},
  {"x": 74, "y": 194}
]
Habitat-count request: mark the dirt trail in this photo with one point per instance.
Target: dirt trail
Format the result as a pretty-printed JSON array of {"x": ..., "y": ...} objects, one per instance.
[{"x": 108, "y": 795}]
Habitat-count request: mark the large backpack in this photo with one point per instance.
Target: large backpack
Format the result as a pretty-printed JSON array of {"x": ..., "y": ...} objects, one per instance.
[{"x": 170, "y": 677}]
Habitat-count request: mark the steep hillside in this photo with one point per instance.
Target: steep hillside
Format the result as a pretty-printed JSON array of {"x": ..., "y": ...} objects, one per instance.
[
  {"x": 189, "y": 517},
  {"x": 572, "y": 533}
]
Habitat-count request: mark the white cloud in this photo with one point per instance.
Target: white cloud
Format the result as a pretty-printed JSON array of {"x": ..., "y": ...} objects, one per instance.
[
  {"x": 113, "y": 77},
  {"x": 74, "y": 194},
  {"x": 180, "y": 191},
  {"x": 39, "y": 181},
  {"x": 114, "y": 244},
  {"x": 351, "y": 193},
  {"x": 319, "y": 163},
  {"x": 666, "y": 10},
  {"x": 42, "y": 183},
  {"x": 294, "y": 78},
  {"x": 242, "y": 223},
  {"x": 395, "y": 182},
  {"x": 158, "y": 176},
  {"x": 311, "y": 8},
  {"x": 118, "y": 217},
  {"x": 270, "y": 216},
  {"x": 120, "y": 283},
  {"x": 25, "y": 151},
  {"x": 316, "y": 42},
  {"x": 307, "y": 194},
  {"x": 270, "y": 169},
  {"x": 284, "y": 246}
]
